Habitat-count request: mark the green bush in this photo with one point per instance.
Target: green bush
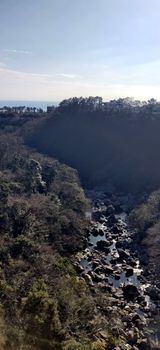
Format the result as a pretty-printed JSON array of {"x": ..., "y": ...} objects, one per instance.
[
  {"x": 42, "y": 311},
  {"x": 74, "y": 345}
]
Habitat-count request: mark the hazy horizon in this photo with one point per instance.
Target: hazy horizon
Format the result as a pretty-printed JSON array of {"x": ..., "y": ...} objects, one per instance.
[{"x": 55, "y": 49}]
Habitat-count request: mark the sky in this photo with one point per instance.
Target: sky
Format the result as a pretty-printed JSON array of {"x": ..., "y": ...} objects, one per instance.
[{"x": 56, "y": 49}]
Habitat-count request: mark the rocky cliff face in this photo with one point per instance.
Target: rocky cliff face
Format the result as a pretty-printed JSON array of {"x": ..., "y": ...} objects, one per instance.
[{"x": 36, "y": 180}]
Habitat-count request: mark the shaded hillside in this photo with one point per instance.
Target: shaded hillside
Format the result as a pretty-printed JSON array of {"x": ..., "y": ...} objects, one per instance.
[{"x": 119, "y": 149}]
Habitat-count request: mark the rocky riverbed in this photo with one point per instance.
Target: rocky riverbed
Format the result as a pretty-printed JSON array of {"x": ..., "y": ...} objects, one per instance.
[{"x": 110, "y": 262}]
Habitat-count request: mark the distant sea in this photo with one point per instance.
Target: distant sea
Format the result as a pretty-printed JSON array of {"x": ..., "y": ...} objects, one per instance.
[{"x": 37, "y": 104}]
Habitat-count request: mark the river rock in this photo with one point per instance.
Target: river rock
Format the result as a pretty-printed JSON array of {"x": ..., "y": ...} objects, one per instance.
[
  {"x": 103, "y": 219},
  {"x": 108, "y": 269},
  {"x": 97, "y": 278},
  {"x": 99, "y": 269},
  {"x": 103, "y": 246},
  {"x": 103, "y": 286},
  {"x": 135, "y": 317},
  {"x": 132, "y": 262},
  {"x": 121, "y": 223},
  {"x": 123, "y": 254},
  {"x": 117, "y": 275},
  {"x": 130, "y": 291},
  {"x": 119, "y": 244},
  {"x": 80, "y": 268},
  {"x": 102, "y": 231},
  {"x": 129, "y": 271},
  {"x": 95, "y": 263},
  {"x": 118, "y": 294},
  {"x": 116, "y": 229},
  {"x": 115, "y": 235},
  {"x": 113, "y": 261},
  {"x": 141, "y": 299},
  {"x": 143, "y": 344},
  {"x": 95, "y": 232},
  {"x": 90, "y": 244},
  {"x": 88, "y": 278}
]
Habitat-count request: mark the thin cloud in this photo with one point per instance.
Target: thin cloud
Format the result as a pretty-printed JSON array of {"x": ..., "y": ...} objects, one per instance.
[
  {"x": 23, "y": 52},
  {"x": 49, "y": 77},
  {"x": 68, "y": 76},
  {"x": 2, "y": 65},
  {"x": 20, "y": 74}
]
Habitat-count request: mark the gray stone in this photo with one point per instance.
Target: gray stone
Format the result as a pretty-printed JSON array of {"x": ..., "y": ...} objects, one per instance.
[
  {"x": 143, "y": 344},
  {"x": 129, "y": 271},
  {"x": 103, "y": 246},
  {"x": 130, "y": 291},
  {"x": 123, "y": 254},
  {"x": 95, "y": 232},
  {"x": 108, "y": 269}
]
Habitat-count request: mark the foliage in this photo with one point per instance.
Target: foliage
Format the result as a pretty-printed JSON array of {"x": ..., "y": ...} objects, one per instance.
[
  {"x": 98, "y": 345},
  {"x": 74, "y": 345},
  {"x": 146, "y": 221},
  {"x": 42, "y": 311},
  {"x": 42, "y": 300},
  {"x": 148, "y": 213}
]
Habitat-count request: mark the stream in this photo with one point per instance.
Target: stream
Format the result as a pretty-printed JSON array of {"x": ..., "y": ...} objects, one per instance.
[{"x": 110, "y": 262}]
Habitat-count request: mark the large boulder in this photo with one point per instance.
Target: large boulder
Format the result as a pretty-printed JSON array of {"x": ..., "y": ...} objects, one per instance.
[
  {"x": 113, "y": 261},
  {"x": 132, "y": 262},
  {"x": 129, "y": 271},
  {"x": 103, "y": 246},
  {"x": 116, "y": 229},
  {"x": 119, "y": 244},
  {"x": 95, "y": 232},
  {"x": 99, "y": 269},
  {"x": 97, "y": 278},
  {"x": 101, "y": 232},
  {"x": 123, "y": 254},
  {"x": 130, "y": 291},
  {"x": 88, "y": 278}
]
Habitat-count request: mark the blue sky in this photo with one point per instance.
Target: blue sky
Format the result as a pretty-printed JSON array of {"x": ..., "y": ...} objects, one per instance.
[{"x": 55, "y": 49}]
